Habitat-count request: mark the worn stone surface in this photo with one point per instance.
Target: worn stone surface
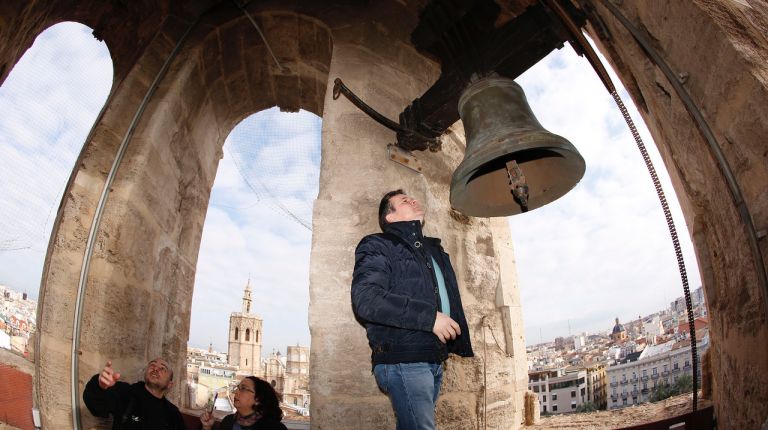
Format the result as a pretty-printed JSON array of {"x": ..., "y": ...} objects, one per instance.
[
  {"x": 621, "y": 418},
  {"x": 139, "y": 286}
]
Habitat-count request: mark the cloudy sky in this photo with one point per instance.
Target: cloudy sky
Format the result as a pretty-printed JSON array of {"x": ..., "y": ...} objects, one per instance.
[{"x": 602, "y": 251}]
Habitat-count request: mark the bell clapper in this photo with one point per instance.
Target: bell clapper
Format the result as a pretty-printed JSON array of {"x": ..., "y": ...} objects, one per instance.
[{"x": 517, "y": 184}]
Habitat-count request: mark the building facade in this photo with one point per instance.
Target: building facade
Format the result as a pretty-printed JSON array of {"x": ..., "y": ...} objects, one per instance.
[
  {"x": 633, "y": 382},
  {"x": 559, "y": 390},
  {"x": 296, "y": 389}
]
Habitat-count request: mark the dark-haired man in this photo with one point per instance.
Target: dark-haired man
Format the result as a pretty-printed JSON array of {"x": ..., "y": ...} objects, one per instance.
[
  {"x": 134, "y": 406},
  {"x": 405, "y": 292}
]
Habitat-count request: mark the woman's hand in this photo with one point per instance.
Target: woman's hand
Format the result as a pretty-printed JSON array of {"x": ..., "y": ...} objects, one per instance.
[{"x": 206, "y": 419}]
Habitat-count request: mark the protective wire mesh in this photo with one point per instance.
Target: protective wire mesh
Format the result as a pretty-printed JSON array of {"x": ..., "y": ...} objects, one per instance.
[
  {"x": 278, "y": 156},
  {"x": 49, "y": 103}
]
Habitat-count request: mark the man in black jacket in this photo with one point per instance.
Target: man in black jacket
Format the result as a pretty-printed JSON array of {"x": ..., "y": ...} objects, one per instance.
[
  {"x": 404, "y": 291},
  {"x": 134, "y": 406}
]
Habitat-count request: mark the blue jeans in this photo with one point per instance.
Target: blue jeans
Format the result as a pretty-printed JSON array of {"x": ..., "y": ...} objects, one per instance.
[{"x": 413, "y": 389}]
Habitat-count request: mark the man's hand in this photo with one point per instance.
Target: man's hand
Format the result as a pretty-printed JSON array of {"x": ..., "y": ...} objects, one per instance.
[
  {"x": 108, "y": 376},
  {"x": 445, "y": 328}
]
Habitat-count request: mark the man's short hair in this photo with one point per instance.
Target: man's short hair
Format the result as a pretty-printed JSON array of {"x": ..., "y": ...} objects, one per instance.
[{"x": 386, "y": 208}]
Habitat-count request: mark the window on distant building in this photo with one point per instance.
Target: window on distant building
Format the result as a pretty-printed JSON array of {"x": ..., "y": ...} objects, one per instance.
[
  {"x": 674, "y": 366},
  {"x": 545, "y": 408},
  {"x": 624, "y": 402},
  {"x": 645, "y": 372},
  {"x": 237, "y": 332},
  {"x": 665, "y": 367},
  {"x": 554, "y": 397},
  {"x": 554, "y": 408},
  {"x": 545, "y": 398},
  {"x": 687, "y": 363},
  {"x": 247, "y": 334},
  {"x": 573, "y": 394},
  {"x": 582, "y": 392},
  {"x": 573, "y": 405},
  {"x": 654, "y": 371}
]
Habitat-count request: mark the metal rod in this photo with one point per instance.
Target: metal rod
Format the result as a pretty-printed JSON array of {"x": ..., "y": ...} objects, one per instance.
[
  {"x": 253, "y": 21},
  {"x": 75, "y": 391},
  {"x": 340, "y": 88}
]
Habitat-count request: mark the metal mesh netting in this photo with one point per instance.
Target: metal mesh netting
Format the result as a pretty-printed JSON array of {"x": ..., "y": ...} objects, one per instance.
[
  {"x": 49, "y": 103},
  {"x": 278, "y": 156}
]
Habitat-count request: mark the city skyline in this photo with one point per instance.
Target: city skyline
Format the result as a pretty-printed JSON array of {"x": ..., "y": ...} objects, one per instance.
[{"x": 600, "y": 252}]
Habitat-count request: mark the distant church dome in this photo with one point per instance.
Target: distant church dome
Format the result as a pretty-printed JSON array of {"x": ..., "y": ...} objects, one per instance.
[{"x": 618, "y": 328}]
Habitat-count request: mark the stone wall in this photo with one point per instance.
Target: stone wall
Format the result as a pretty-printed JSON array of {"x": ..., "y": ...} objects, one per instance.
[{"x": 140, "y": 282}]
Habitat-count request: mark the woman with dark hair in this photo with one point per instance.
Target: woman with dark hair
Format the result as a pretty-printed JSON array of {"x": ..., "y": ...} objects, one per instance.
[{"x": 257, "y": 408}]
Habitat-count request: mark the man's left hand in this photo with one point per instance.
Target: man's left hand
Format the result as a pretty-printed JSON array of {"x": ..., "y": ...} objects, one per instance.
[{"x": 445, "y": 328}]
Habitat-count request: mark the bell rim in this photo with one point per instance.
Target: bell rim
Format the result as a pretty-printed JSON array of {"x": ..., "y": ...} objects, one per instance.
[{"x": 463, "y": 171}]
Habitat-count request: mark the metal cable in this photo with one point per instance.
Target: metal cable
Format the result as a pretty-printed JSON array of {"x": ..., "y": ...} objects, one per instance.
[
  {"x": 581, "y": 41},
  {"x": 78, "y": 312},
  {"x": 714, "y": 147},
  {"x": 258, "y": 29}
]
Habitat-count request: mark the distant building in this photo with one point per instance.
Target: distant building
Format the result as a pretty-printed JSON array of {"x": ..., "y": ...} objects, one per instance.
[
  {"x": 596, "y": 385},
  {"x": 296, "y": 390},
  {"x": 207, "y": 373},
  {"x": 632, "y": 382},
  {"x": 619, "y": 333},
  {"x": 245, "y": 331},
  {"x": 579, "y": 341},
  {"x": 274, "y": 370},
  {"x": 559, "y": 390}
]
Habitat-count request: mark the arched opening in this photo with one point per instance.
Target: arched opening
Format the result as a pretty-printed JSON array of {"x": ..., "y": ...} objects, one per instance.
[
  {"x": 602, "y": 251},
  {"x": 715, "y": 48},
  {"x": 50, "y": 101},
  {"x": 257, "y": 229}
]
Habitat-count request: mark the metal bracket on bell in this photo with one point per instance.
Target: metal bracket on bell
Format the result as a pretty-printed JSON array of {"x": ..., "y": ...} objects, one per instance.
[{"x": 403, "y": 157}]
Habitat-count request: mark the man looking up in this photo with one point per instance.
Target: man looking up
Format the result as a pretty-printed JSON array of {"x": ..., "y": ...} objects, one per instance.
[
  {"x": 134, "y": 406},
  {"x": 405, "y": 292}
]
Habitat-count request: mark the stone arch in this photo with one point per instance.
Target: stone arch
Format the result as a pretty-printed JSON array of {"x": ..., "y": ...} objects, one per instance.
[
  {"x": 160, "y": 192},
  {"x": 720, "y": 45}
]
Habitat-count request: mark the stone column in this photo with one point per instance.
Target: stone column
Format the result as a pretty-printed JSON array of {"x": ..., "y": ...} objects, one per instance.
[{"x": 355, "y": 173}]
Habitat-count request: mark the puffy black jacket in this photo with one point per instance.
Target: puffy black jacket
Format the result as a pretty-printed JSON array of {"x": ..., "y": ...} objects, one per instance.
[{"x": 395, "y": 295}]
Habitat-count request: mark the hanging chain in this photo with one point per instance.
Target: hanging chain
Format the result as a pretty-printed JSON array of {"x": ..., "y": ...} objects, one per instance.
[{"x": 673, "y": 233}]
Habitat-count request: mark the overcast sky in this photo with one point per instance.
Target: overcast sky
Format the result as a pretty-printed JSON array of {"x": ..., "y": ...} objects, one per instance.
[{"x": 602, "y": 251}]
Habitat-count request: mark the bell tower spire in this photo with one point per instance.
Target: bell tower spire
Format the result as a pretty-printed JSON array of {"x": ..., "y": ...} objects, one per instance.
[{"x": 247, "y": 297}]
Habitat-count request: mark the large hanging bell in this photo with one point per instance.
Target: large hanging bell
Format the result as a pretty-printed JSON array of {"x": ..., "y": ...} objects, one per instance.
[{"x": 512, "y": 164}]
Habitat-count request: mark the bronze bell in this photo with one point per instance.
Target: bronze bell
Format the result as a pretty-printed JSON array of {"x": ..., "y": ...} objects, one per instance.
[{"x": 512, "y": 164}]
